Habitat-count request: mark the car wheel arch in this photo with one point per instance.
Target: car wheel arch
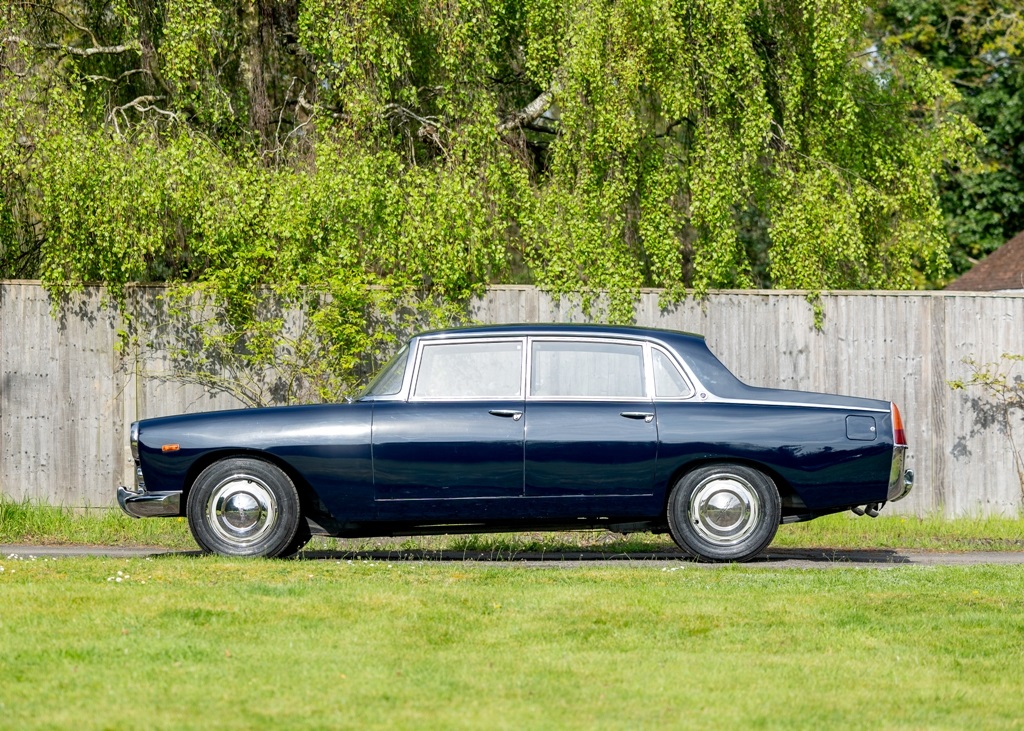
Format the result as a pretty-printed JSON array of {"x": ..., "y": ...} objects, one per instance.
[
  {"x": 307, "y": 496},
  {"x": 781, "y": 484}
]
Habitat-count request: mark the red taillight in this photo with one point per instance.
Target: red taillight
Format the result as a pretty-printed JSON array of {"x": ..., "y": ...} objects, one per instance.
[{"x": 898, "y": 435}]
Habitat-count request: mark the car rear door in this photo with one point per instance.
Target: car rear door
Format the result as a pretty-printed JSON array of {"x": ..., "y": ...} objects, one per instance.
[{"x": 591, "y": 430}]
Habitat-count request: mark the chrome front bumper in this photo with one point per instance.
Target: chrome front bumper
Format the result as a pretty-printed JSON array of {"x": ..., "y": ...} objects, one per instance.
[{"x": 149, "y": 504}]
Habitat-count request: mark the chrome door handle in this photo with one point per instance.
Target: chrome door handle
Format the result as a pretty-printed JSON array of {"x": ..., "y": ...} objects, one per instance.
[
  {"x": 647, "y": 416},
  {"x": 516, "y": 415}
]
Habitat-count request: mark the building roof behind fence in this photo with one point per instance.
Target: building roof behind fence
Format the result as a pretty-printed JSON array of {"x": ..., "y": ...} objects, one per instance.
[{"x": 1002, "y": 270}]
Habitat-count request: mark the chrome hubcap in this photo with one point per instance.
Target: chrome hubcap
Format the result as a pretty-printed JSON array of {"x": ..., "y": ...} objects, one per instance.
[
  {"x": 242, "y": 509},
  {"x": 724, "y": 509}
]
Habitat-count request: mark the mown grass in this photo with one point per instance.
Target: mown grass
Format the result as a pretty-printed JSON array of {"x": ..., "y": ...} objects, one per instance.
[
  {"x": 38, "y": 523},
  {"x": 30, "y": 523},
  {"x": 205, "y": 642}
]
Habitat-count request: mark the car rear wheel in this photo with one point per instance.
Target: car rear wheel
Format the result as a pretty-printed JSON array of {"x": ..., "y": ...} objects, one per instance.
[
  {"x": 724, "y": 512},
  {"x": 242, "y": 506}
]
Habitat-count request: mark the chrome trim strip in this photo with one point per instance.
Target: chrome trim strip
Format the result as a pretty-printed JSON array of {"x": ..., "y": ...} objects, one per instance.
[
  {"x": 589, "y": 399},
  {"x": 712, "y": 399},
  {"x": 504, "y": 497},
  {"x": 149, "y": 504},
  {"x": 133, "y": 439}
]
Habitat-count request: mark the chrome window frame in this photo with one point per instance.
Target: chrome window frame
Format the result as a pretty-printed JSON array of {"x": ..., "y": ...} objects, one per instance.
[
  {"x": 424, "y": 343},
  {"x": 688, "y": 379},
  {"x": 419, "y": 343},
  {"x": 641, "y": 343}
]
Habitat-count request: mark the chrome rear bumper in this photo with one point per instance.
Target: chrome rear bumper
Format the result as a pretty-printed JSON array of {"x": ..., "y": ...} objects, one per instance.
[
  {"x": 149, "y": 504},
  {"x": 901, "y": 480}
]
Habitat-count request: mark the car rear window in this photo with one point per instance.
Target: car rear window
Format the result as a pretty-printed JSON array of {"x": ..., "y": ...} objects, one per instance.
[
  {"x": 668, "y": 381},
  {"x": 568, "y": 369}
]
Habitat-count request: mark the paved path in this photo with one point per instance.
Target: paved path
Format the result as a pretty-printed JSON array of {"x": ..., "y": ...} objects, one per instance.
[{"x": 774, "y": 558}]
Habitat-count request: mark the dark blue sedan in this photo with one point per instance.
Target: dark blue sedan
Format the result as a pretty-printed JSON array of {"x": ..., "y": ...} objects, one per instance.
[{"x": 531, "y": 427}]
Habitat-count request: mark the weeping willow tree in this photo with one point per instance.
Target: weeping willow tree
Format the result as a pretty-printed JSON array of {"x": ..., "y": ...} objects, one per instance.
[{"x": 348, "y": 156}]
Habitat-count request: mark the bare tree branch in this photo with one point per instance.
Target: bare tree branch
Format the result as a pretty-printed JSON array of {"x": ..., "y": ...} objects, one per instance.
[
  {"x": 76, "y": 51},
  {"x": 141, "y": 104},
  {"x": 125, "y": 75},
  {"x": 93, "y": 51},
  {"x": 429, "y": 126},
  {"x": 530, "y": 113},
  {"x": 393, "y": 110},
  {"x": 542, "y": 126}
]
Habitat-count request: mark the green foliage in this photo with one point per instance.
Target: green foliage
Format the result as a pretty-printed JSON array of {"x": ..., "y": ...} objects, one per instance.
[
  {"x": 978, "y": 45},
  {"x": 360, "y": 160}
]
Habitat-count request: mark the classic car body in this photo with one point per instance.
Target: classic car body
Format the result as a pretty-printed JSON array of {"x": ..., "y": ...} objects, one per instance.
[{"x": 526, "y": 427}]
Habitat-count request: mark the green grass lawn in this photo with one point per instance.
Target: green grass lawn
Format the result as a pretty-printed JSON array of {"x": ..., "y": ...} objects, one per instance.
[
  {"x": 206, "y": 642},
  {"x": 41, "y": 524}
]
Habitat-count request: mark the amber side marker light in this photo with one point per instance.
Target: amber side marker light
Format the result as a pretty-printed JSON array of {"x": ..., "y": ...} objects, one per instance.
[
  {"x": 170, "y": 448},
  {"x": 899, "y": 436}
]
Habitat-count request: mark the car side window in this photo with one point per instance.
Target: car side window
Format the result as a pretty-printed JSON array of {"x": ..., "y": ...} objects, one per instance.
[
  {"x": 668, "y": 381},
  {"x": 584, "y": 369},
  {"x": 470, "y": 370}
]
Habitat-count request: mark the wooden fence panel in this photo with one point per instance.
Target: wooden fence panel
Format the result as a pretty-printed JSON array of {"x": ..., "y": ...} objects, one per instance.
[
  {"x": 67, "y": 393},
  {"x": 63, "y": 436}
]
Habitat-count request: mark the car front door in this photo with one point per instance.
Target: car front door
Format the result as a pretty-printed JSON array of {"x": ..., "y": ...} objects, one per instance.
[
  {"x": 455, "y": 448},
  {"x": 591, "y": 434}
]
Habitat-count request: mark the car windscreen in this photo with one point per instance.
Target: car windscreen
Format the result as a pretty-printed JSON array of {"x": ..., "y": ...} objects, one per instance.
[{"x": 389, "y": 380}]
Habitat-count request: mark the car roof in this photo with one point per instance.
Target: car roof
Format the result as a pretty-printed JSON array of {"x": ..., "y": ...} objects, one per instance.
[{"x": 589, "y": 330}]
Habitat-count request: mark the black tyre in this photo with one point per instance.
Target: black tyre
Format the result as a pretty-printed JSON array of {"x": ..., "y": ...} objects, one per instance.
[
  {"x": 302, "y": 537},
  {"x": 242, "y": 506},
  {"x": 724, "y": 512}
]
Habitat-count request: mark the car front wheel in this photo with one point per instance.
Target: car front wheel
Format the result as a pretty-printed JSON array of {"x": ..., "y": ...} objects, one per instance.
[
  {"x": 244, "y": 507},
  {"x": 724, "y": 512}
]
